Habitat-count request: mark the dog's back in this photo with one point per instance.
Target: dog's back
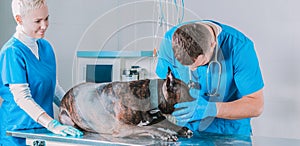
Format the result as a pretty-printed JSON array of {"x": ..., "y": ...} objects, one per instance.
[{"x": 83, "y": 108}]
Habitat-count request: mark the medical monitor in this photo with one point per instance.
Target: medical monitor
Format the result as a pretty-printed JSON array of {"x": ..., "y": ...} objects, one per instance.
[{"x": 99, "y": 73}]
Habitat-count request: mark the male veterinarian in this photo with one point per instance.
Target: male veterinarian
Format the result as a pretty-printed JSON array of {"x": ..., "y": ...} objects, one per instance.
[{"x": 220, "y": 65}]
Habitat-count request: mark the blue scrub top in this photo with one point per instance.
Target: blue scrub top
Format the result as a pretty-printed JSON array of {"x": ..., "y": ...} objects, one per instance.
[
  {"x": 240, "y": 76},
  {"x": 19, "y": 65}
]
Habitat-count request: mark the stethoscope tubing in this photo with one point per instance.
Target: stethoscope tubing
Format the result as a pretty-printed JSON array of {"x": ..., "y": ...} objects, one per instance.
[{"x": 209, "y": 93}]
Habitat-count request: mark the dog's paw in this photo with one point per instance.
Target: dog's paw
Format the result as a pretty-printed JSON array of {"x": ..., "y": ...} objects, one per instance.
[
  {"x": 189, "y": 133},
  {"x": 169, "y": 138},
  {"x": 185, "y": 132}
]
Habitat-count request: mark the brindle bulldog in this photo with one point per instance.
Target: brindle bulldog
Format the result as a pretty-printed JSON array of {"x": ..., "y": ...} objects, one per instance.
[{"x": 126, "y": 109}]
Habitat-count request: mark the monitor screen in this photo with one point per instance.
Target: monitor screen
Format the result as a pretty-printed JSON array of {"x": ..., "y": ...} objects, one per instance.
[{"x": 99, "y": 73}]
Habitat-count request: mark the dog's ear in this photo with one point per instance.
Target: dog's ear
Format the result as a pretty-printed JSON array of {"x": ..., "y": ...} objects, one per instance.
[
  {"x": 170, "y": 74},
  {"x": 170, "y": 80}
]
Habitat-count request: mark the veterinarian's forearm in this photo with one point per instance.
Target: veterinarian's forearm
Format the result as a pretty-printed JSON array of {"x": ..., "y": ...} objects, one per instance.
[
  {"x": 44, "y": 120},
  {"x": 246, "y": 107},
  {"x": 24, "y": 100}
]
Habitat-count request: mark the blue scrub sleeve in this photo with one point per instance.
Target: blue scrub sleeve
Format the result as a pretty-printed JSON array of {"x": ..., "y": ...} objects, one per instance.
[
  {"x": 166, "y": 57},
  {"x": 247, "y": 75},
  {"x": 162, "y": 68},
  {"x": 13, "y": 69}
]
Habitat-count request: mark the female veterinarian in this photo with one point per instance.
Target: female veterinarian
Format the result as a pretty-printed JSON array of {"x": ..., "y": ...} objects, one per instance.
[
  {"x": 28, "y": 75},
  {"x": 220, "y": 65}
]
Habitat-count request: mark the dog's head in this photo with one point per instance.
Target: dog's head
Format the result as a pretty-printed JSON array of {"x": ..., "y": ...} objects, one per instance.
[{"x": 174, "y": 91}]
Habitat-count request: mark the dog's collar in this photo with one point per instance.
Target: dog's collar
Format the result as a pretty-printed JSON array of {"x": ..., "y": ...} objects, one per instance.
[{"x": 153, "y": 87}]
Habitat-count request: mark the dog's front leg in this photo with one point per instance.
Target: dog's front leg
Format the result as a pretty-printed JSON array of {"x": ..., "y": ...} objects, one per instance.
[
  {"x": 181, "y": 131},
  {"x": 152, "y": 131}
]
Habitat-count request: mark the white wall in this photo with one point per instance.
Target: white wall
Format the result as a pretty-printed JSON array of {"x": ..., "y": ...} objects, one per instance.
[
  {"x": 272, "y": 24},
  {"x": 7, "y": 24}
]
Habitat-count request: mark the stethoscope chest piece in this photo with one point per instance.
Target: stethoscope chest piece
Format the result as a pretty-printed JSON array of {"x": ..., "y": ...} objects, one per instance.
[{"x": 194, "y": 85}]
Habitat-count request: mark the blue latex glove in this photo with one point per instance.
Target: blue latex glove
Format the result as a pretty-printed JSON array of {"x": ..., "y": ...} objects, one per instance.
[
  {"x": 195, "y": 110},
  {"x": 57, "y": 128}
]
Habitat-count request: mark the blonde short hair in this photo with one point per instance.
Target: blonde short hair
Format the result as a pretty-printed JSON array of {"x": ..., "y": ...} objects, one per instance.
[{"x": 21, "y": 7}]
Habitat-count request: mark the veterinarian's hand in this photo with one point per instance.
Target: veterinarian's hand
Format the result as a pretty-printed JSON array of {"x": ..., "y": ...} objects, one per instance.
[
  {"x": 57, "y": 128},
  {"x": 195, "y": 110}
]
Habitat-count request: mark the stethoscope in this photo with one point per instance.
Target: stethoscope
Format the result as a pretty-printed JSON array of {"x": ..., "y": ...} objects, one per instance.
[{"x": 213, "y": 65}]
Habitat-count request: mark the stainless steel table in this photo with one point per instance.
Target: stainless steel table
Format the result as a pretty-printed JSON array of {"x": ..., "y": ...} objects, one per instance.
[{"x": 197, "y": 139}]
